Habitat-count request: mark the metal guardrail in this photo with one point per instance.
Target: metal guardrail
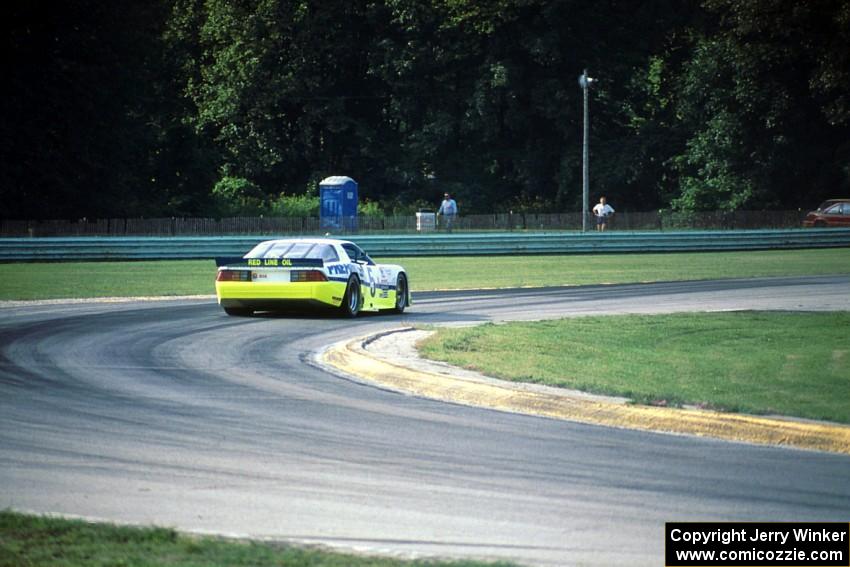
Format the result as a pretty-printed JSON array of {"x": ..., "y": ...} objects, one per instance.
[{"x": 430, "y": 244}]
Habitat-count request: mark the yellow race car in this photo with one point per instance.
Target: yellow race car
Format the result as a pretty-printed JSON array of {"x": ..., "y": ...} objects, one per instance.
[{"x": 301, "y": 272}]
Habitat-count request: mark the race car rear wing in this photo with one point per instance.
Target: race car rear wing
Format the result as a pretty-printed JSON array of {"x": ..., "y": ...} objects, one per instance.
[{"x": 270, "y": 262}]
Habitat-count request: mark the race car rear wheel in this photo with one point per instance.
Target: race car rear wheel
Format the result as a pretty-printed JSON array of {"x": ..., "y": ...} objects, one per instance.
[
  {"x": 353, "y": 299},
  {"x": 238, "y": 311},
  {"x": 400, "y": 294}
]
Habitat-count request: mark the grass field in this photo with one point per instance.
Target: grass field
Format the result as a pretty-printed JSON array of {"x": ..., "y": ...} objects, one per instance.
[
  {"x": 48, "y": 542},
  {"x": 195, "y": 277},
  {"x": 535, "y": 271},
  {"x": 795, "y": 364}
]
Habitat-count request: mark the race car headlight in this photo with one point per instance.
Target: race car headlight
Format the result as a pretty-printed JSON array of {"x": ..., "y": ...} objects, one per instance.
[
  {"x": 307, "y": 276},
  {"x": 233, "y": 276}
]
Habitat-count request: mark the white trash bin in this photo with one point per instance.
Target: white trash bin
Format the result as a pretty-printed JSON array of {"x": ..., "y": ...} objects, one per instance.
[{"x": 426, "y": 222}]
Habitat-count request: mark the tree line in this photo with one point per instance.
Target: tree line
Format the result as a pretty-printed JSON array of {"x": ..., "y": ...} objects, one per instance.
[{"x": 239, "y": 107}]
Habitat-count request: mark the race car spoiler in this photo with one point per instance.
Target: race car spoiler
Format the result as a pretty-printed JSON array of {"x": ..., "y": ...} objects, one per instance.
[{"x": 270, "y": 262}]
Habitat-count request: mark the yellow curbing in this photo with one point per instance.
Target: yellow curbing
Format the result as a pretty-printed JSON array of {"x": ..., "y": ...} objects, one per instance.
[{"x": 353, "y": 359}]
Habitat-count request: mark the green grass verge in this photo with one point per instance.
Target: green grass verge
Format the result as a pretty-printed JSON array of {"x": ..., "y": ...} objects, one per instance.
[
  {"x": 795, "y": 364},
  {"x": 62, "y": 280},
  {"x": 536, "y": 271},
  {"x": 179, "y": 277},
  {"x": 35, "y": 540}
]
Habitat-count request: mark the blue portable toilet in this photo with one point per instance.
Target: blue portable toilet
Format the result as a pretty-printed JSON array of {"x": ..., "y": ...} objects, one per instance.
[{"x": 338, "y": 196}]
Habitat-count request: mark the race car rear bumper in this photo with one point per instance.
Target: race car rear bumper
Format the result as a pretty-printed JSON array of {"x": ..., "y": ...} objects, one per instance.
[{"x": 279, "y": 295}]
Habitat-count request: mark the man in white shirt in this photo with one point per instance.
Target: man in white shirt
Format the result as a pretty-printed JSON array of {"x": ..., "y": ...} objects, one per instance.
[
  {"x": 448, "y": 208},
  {"x": 603, "y": 212}
]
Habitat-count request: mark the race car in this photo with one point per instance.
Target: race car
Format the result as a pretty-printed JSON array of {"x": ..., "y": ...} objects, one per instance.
[{"x": 300, "y": 272}]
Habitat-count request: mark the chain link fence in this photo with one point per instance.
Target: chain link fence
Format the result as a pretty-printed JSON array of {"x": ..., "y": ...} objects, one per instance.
[{"x": 622, "y": 221}]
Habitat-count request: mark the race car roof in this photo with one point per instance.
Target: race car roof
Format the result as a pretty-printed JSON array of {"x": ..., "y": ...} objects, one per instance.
[
  {"x": 321, "y": 248},
  {"x": 316, "y": 240}
]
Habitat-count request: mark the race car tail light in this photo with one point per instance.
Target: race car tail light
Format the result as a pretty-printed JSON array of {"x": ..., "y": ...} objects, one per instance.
[
  {"x": 307, "y": 276},
  {"x": 233, "y": 276}
]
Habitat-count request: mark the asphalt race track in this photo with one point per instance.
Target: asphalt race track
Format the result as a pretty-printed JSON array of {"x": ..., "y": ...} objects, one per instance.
[{"x": 172, "y": 413}]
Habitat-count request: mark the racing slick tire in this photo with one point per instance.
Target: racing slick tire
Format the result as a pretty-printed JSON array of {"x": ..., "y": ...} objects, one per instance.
[
  {"x": 352, "y": 301},
  {"x": 238, "y": 311},
  {"x": 400, "y": 294}
]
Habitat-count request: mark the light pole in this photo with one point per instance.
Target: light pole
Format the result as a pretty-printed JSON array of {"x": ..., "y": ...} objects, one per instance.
[{"x": 584, "y": 82}]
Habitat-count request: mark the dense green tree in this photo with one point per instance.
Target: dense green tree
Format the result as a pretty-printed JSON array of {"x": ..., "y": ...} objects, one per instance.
[
  {"x": 73, "y": 86},
  {"x": 217, "y": 107},
  {"x": 489, "y": 103},
  {"x": 283, "y": 88},
  {"x": 764, "y": 102},
  {"x": 91, "y": 125}
]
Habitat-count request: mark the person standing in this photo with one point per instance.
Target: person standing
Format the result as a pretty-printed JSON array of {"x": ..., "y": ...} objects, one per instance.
[
  {"x": 448, "y": 208},
  {"x": 603, "y": 212}
]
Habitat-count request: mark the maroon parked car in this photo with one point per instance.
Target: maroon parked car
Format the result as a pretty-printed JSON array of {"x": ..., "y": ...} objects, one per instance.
[{"x": 833, "y": 212}]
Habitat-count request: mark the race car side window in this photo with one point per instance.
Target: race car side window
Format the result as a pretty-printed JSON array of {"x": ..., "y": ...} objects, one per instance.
[
  {"x": 351, "y": 250},
  {"x": 357, "y": 255},
  {"x": 365, "y": 257},
  {"x": 328, "y": 254},
  {"x": 321, "y": 252}
]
